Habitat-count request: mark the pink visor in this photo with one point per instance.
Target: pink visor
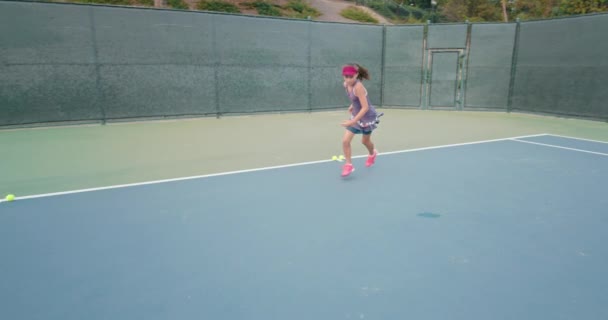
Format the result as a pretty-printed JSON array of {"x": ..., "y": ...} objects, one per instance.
[{"x": 349, "y": 71}]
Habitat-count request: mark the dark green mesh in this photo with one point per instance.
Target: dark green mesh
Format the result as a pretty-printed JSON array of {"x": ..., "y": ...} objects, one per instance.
[
  {"x": 562, "y": 67},
  {"x": 443, "y": 79},
  {"x": 443, "y": 36},
  {"x": 68, "y": 62},
  {"x": 489, "y": 67},
  {"x": 403, "y": 66}
]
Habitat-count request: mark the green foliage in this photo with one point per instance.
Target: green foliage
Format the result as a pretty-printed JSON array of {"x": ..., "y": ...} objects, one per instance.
[
  {"x": 267, "y": 9},
  {"x": 297, "y": 5},
  {"x": 535, "y": 9},
  {"x": 218, "y": 5},
  {"x": 399, "y": 11},
  {"x": 294, "y": 9},
  {"x": 357, "y": 14},
  {"x": 177, "y": 4},
  {"x": 110, "y": 2},
  {"x": 300, "y": 9},
  {"x": 382, "y": 9},
  {"x": 472, "y": 10},
  {"x": 396, "y": 12},
  {"x": 491, "y": 10},
  {"x": 583, "y": 6},
  {"x": 422, "y": 4},
  {"x": 531, "y": 9},
  {"x": 119, "y": 2}
]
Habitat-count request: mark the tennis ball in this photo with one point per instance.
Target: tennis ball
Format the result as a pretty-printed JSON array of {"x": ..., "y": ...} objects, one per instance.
[
  {"x": 10, "y": 197},
  {"x": 341, "y": 157},
  {"x": 334, "y": 158}
]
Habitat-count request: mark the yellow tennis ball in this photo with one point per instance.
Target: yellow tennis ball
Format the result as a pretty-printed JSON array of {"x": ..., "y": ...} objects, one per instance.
[
  {"x": 342, "y": 157},
  {"x": 334, "y": 158},
  {"x": 10, "y": 197}
]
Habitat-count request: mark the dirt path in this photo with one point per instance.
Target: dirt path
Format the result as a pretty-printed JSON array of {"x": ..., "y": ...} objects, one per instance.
[{"x": 330, "y": 10}]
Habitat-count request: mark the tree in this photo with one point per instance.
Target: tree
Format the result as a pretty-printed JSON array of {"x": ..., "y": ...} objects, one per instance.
[
  {"x": 505, "y": 16},
  {"x": 472, "y": 10},
  {"x": 422, "y": 4},
  {"x": 583, "y": 6},
  {"x": 453, "y": 10},
  {"x": 498, "y": 10},
  {"x": 526, "y": 9}
]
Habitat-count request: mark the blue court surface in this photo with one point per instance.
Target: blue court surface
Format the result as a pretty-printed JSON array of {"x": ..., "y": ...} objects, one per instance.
[{"x": 515, "y": 228}]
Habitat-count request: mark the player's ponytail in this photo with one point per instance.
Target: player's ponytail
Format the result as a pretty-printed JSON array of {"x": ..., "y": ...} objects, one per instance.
[{"x": 363, "y": 73}]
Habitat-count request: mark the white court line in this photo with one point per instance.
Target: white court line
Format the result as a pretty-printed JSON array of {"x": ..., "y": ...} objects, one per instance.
[
  {"x": 258, "y": 169},
  {"x": 575, "y": 138},
  {"x": 560, "y": 147}
]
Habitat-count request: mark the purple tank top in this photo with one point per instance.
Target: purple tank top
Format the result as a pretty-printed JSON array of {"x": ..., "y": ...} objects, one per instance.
[{"x": 370, "y": 116}]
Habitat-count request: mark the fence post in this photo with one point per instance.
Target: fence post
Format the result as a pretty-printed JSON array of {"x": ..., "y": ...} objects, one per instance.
[
  {"x": 465, "y": 72},
  {"x": 425, "y": 69},
  {"x": 383, "y": 65},
  {"x": 309, "y": 64},
  {"x": 216, "y": 66},
  {"x": 97, "y": 66},
  {"x": 513, "y": 66}
]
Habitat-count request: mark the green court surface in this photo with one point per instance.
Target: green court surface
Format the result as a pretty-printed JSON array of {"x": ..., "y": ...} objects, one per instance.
[
  {"x": 508, "y": 228},
  {"x": 55, "y": 159}
]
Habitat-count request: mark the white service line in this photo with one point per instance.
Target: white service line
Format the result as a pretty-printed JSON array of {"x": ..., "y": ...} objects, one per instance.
[
  {"x": 575, "y": 138},
  {"x": 259, "y": 169},
  {"x": 560, "y": 147}
]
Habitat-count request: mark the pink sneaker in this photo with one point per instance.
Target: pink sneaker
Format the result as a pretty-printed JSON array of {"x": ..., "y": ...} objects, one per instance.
[
  {"x": 347, "y": 169},
  {"x": 371, "y": 159}
]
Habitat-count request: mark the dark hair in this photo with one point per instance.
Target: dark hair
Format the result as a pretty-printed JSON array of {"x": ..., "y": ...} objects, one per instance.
[{"x": 363, "y": 73}]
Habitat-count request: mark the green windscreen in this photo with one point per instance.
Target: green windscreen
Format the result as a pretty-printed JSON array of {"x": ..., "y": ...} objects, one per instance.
[
  {"x": 154, "y": 63},
  {"x": 444, "y": 36},
  {"x": 444, "y": 79},
  {"x": 69, "y": 62},
  {"x": 263, "y": 64},
  {"x": 489, "y": 66},
  {"x": 562, "y": 67},
  {"x": 47, "y": 64},
  {"x": 333, "y": 45},
  {"x": 403, "y": 66},
  {"x": 72, "y": 62}
]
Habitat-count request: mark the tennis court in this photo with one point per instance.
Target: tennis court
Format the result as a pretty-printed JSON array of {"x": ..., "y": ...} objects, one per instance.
[
  {"x": 177, "y": 165},
  {"x": 501, "y": 229}
]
